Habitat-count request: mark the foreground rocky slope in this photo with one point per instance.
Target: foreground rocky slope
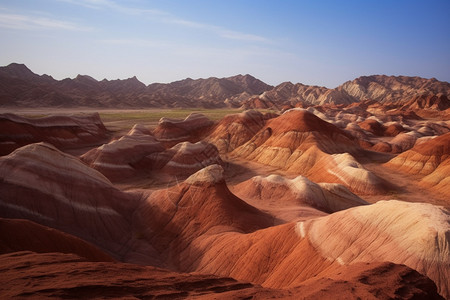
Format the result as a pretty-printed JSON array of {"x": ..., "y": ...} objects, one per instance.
[
  {"x": 199, "y": 224},
  {"x": 54, "y": 277},
  {"x": 263, "y": 205}
]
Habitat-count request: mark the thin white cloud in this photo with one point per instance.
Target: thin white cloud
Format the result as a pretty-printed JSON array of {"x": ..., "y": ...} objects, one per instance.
[
  {"x": 33, "y": 22},
  {"x": 138, "y": 42},
  {"x": 169, "y": 18},
  {"x": 234, "y": 35}
]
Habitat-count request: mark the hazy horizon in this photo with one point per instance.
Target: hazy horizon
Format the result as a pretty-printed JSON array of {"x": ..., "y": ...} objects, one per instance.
[{"x": 314, "y": 43}]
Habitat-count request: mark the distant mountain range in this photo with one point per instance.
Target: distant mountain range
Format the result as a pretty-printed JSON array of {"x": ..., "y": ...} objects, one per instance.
[{"x": 20, "y": 87}]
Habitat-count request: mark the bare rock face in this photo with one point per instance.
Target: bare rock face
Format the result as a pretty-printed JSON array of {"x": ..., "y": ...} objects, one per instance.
[
  {"x": 119, "y": 159},
  {"x": 236, "y": 129},
  {"x": 172, "y": 131},
  {"x": 424, "y": 158},
  {"x": 302, "y": 143},
  {"x": 283, "y": 140},
  {"x": 61, "y": 131},
  {"x": 327, "y": 197},
  {"x": 202, "y": 206},
  {"x": 393, "y": 88},
  {"x": 380, "y": 88},
  {"x": 286, "y": 93},
  {"x": 42, "y": 184},
  {"x": 414, "y": 234},
  {"x": 438, "y": 102},
  {"x": 344, "y": 168},
  {"x": 386, "y": 231},
  {"x": 182, "y": 160},
  {"x": 430, "y": 158}
]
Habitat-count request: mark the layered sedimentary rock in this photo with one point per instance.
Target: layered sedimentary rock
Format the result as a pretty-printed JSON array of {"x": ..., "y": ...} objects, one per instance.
[
  {"x": 414, "y": 234},
  {"x": 327, "y": 197},
  {"x": 119, "y": 159},
  {"x": 171, "y": 219},
  {"x": 64, "y": 132},
  {"x": 283, "y": 140},
  {"x": 380, "y": 88},
  {"x": 424, "y": 158},
  {"x": 430, "y": 158},
  {"x": 183, "y": 159},
  {"x": 236, "y": 129},
  {"x": 344, "y": 168},
  {"x": 173, "y": 131},
  {"x": 302, "y": 143},
  {"x": 40, "y": 183}
]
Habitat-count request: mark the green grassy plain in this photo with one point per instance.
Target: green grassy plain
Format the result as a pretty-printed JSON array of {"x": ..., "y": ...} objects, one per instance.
[
  {"x": 153, "y": 115},
  {"x": 120, "y": 121}
]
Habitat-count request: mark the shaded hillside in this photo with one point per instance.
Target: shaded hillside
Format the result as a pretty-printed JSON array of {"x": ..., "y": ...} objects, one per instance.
[{"x": 19, "y": 86}]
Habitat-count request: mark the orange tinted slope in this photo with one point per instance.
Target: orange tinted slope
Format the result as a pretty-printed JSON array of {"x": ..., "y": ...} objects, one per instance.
[{"x": 20, "y": 235}]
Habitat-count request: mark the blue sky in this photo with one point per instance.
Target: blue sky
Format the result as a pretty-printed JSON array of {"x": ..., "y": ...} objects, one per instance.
[{"x": 312, "y": 42}]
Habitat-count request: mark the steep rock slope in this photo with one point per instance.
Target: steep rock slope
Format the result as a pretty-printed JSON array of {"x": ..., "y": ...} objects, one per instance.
[
  {"x": 173, "y": 131},
  {"x": 42, "y": 184},
  {"x": 302, "y": 143},
  {"x": 424, "y": 158},
  {"x": 117, "y": 159},
  {"x": 414, "y": 234},
  {"x": 381, "y": 88},
  {"x": 200, "y": 206},
  {"x": 19, "y": 86},
  {"x": 236, "y": 129},
  {"x": 432, "y": 159},
  {"x": 327, "y": 197}
]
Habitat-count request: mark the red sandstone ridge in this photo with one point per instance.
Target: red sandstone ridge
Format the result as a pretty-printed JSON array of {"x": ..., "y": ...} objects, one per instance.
[
  {"x": 182, "y": 160},
  {"x": 42, "y": 184},
  {"x": 117, "y": 160},
  {"x": 432, "y": 159},
  {"x": 200, "y": 226},
  {"x": 302, "y": 143},
  {"x": 327, "y": 197},
  {"x": 388, "y": 231},
  {"x": 172, "y": 131},
  {"x": 61, "y": 131},
  {"x": 282, "y": 140},
  {"x": 236, "y": 129},
  {"x": 198, "y": 208},
  {"x": 438, "y": 102}
]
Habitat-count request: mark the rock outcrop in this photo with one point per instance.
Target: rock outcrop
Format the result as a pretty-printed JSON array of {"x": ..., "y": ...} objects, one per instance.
[{"x": 64, "y": 132}]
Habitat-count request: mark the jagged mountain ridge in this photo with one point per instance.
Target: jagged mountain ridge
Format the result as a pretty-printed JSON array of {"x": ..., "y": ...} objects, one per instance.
[
  {"x": 19, "y": 86},
  {"x": 380, "y": 88}
]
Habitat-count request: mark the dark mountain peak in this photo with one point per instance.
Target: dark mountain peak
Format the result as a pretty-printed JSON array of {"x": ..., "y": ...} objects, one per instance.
[
  {"x": 85, "y": 78},
  {"x": 18, "y": 71}
]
